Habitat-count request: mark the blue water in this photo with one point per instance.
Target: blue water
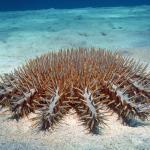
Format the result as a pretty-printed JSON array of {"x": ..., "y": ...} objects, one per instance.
[{"x": 8, "y": 5}]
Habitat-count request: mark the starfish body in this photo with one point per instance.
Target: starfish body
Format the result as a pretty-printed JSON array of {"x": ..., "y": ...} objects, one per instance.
[{"x": 86, "y": 80}]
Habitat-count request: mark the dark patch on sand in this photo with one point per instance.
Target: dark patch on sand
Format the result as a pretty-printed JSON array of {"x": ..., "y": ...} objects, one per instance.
[
  {"x": 103, "y": 33},
  {"x": 79, "y": 17},
  {"x": 83, "y": 34}
]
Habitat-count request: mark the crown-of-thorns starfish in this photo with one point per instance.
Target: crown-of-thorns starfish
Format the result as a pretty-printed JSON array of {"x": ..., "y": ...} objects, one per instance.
[{"x": 87, "y": 80}]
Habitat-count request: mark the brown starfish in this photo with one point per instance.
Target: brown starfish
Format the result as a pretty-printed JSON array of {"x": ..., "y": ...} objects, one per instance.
[{"x": 87, "y": 80}]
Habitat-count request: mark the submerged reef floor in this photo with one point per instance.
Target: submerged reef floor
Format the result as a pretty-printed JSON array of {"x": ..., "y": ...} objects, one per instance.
[{"x": 27, "y": 34}]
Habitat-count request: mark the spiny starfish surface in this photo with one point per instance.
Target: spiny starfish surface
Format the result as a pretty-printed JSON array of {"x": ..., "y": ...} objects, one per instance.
[{"x": 86, "y": 80}]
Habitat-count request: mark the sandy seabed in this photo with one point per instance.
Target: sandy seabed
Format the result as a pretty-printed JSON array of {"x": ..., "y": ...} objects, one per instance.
[{"x": 24, "y": 35}]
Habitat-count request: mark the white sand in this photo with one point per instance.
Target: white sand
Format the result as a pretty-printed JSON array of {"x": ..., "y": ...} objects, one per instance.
[
  {"x": 26, "y": 34},
  {"x": 72, "y": 136}
]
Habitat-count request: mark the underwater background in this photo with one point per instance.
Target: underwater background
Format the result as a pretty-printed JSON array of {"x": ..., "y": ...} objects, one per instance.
[
  {"x": 6, "y": 5},
  {"x": 32, "y": 27}
]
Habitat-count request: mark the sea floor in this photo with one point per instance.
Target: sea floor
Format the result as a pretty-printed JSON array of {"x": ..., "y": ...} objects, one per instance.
[{"x": 26, "y": 34}]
